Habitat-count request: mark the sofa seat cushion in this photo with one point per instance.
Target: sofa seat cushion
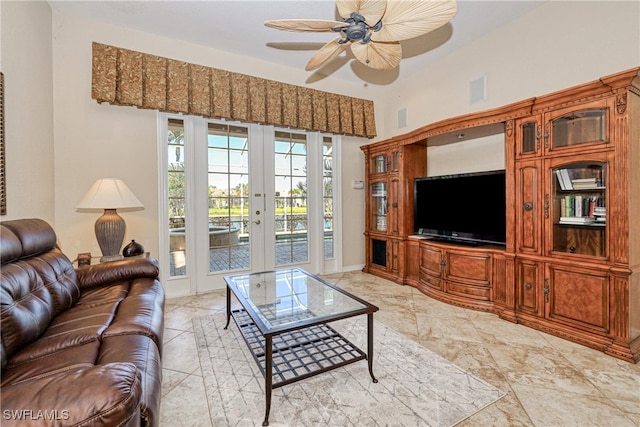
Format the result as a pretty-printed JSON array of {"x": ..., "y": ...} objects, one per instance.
[
  {"x": 29, "y": 368},
  {"x": 98, "y": 296},
  {"x": 141, "y": 312},
  {"x": 76, "y": 326},
  {"x": 58, "y": 398},
  {"x": 143, "y": 353}
]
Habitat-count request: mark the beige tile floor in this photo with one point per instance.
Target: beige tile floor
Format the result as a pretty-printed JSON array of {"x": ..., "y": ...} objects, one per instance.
[{"x": 549, "y": 381}]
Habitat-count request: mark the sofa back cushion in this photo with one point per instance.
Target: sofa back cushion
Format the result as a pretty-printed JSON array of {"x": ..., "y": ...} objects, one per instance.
[{"x": 37, "y": 281}]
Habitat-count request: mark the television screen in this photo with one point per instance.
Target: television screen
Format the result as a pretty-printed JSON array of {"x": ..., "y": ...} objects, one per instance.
[{"x": 469, "y": 207}]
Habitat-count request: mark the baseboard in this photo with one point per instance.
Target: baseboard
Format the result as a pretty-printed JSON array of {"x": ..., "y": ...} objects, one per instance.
[{"x": 349, "y": 268}]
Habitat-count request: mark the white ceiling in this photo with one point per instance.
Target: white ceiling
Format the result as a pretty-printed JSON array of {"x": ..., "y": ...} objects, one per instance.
[{"x": 237, "y": 26}]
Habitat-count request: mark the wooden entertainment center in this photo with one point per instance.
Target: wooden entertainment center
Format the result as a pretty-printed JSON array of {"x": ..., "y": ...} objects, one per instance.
[{"x": 571, "y": 263}]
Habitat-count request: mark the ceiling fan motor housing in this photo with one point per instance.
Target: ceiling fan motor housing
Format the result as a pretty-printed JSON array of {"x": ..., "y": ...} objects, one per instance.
[{"x": 358, "y": 29}]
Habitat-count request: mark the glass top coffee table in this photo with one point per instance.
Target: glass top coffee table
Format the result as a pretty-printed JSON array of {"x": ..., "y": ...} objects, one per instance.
[{"x": 284, "y": 321}]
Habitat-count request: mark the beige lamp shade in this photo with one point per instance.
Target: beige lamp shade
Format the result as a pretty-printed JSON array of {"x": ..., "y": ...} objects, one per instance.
[{"x": 109, "y": 194}]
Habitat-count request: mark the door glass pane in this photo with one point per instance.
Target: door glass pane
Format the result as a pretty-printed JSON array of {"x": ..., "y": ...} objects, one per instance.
[
  {"x": 290, "y": 156},
  {"x": 327, "y": 195},
  {"x": 176, "y": 198},
  {"x": 228, "y": 195}
]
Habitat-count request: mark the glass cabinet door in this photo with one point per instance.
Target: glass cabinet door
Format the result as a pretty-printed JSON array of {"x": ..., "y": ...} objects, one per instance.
[
  {"x": 379, "y": 206},
  {"x": 530, "y": 138},
  {"x": 395, "y": 165},
  {"x": 579, "y": 208},
  {"x": 378, "y": 164},
  {"x": 578, "y": 127}
]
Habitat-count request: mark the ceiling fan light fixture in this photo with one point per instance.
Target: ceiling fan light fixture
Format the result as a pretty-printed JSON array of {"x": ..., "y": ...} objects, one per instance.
[{"x": 378, "y": 46}]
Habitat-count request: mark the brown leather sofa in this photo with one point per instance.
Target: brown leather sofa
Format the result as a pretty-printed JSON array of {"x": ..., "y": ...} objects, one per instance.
[{"x": 78, "y": 347}]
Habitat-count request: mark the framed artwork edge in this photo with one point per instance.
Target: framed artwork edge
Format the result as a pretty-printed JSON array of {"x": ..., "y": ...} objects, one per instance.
[{"x": 3, "y": 183}]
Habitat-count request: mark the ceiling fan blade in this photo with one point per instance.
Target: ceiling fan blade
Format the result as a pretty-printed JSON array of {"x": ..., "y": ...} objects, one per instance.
[
  {"x": 326, "y": 53},
  {"x": 304, "y": 25},
  {"x": 412, "y": 18},
  {"x": 380, "y": 56},
  {"x": 372, "y": 10}
]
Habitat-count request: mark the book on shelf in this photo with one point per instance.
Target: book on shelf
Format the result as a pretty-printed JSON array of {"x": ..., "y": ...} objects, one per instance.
[
  {"x": 568, "y": 207},
  {"x": 563, "y": 186},
  {"x": 585, "y": 186},
  {"x": 576, "y": 220},
  {"x": 567, "y": 183},
  {"x": 566, "y": 178},
  {"x": 586, "y": 183},
  {"x": 592, "y": 206},
  {"x": 580, "y": 205},
  {"x": 577, "y": 206},
  {"x": 601, "y": 217},
  {"x": 563, "y": 179}
]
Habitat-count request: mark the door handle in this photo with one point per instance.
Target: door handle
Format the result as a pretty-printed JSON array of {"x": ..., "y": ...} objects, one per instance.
[{"x": 257, "y": 222}]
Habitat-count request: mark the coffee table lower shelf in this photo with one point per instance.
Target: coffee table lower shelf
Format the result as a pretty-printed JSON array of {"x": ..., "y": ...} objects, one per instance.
[{"x": 297, "y": 354}]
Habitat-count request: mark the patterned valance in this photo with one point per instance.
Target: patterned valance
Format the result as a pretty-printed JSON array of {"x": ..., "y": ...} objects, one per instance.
[{"x": 126, "y": 77}]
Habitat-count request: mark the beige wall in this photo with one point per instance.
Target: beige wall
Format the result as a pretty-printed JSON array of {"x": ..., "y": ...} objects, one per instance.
[
  {"x": 353, "y": 202},
  {"x": 25, "y": 61}
]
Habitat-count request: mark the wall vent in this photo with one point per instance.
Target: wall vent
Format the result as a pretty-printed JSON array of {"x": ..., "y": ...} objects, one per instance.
[
  {"x": 402, "y": 118},
  {"x": 478, "y": 90}
]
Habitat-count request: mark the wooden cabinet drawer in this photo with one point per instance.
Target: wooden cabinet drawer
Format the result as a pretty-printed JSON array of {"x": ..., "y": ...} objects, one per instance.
[
  {"x": 472, "y": 268},
  {"x": 430, "y": 281},
  {"x": 431, "y": 260},
  {"x": 475, "y": 292}
]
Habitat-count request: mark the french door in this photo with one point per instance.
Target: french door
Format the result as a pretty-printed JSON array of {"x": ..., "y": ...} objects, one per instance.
[{"x": 242, "y": 198}]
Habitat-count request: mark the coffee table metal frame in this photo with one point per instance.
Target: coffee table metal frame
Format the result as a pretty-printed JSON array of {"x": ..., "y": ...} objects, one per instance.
[{"x": 303, "y": 347}]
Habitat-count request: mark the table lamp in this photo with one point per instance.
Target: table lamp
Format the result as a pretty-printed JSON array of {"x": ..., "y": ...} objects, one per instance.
[{"x": 109, "y": 194}]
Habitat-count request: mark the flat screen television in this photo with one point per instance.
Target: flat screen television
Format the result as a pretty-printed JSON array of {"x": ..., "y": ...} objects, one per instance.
[{"x": 466, "y": 208}]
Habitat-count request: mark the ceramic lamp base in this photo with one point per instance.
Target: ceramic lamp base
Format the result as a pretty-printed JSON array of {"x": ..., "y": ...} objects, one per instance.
[{"x": 110, "y": 228}]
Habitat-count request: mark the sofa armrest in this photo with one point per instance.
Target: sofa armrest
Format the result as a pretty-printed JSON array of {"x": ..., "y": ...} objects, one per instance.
[
  {"x": 88, "y": 395},
  {"x": 117, "y": 271}
]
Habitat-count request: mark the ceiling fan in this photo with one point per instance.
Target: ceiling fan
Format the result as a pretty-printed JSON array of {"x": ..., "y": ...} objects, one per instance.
[{"x": 373, "y": 28}]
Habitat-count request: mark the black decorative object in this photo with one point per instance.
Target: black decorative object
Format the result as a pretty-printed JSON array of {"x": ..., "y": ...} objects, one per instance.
[{"x": 133, "y": 249}]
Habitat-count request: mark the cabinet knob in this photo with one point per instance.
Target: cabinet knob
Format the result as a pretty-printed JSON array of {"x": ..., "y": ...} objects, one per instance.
[
  {"x": 527, "y": 206},
  {"x": 527, "y": 286}
]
